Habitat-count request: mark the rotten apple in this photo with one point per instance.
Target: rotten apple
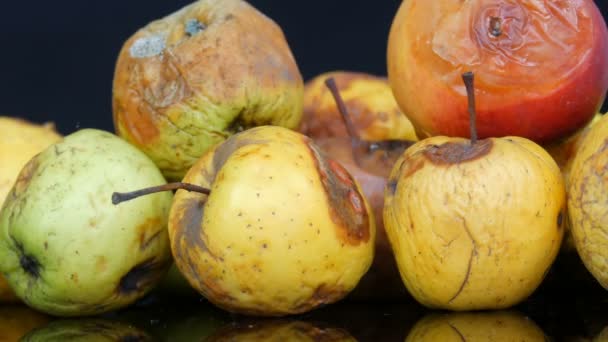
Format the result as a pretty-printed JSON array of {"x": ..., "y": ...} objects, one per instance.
[
  {"x": 541, "y": 66},
  {"x": 265, "y": 224},
  {"x": 474, "y": 224},
  {"x": 187, "y": 81},
  {"x": 64, "y": 248},
  {"x": 370, "y": 103}
]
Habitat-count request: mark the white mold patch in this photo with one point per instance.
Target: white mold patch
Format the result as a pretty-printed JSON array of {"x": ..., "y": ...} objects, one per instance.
[{"x": 148, "y": 46}]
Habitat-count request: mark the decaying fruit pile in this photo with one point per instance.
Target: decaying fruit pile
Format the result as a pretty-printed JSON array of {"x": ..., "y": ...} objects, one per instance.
[{"x": 457, "y": 179}]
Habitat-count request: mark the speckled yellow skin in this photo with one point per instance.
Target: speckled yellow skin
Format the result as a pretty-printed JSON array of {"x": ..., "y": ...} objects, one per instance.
[
  {"x": 280, "y": 330},
  {"x": 587, "y": 189},
  {"x": 370, "y": 103},
  {"x": 18, "y": 320},
  {"x": 20, "y": 140},
  {"x": 191, "y": 79},
  {"x": 563, "y": 153},
  {"x": 475, "y": 234},
  {"x": 65, "y": 249},
  {"x": 494, "y": 326},
  {"x": 273, "y": 237}
]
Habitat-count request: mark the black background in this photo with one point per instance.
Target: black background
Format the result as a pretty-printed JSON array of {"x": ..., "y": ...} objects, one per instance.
[{"x": 57, "y": 57}]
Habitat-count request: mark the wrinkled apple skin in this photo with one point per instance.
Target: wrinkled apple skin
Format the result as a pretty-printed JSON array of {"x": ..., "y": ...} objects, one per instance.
[
  {"x": 65, "y": 249},
  {"x": 370, "y": 103},
  {"x": 474, "y": 227},
  {"x": 188, "y": 81},
  {"x": 283, "y": 231},
  {"x": 542, "y": 78},
  {"x": 20, "y": 140},
  {"x": 587, "y": 188},
  {"x": 494, "y": 326}
]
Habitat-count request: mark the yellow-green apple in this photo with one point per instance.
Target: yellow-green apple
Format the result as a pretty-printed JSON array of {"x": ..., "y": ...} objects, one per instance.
[
  {"x": 541, "y": 66},
  {"x": 191, "y": 79},
  {"x": 273, "y": 228},
  {"x": 370, "y": 103},
  {"x": 474, "y": 224},
  {"x": 20, "y": 140},
  {"x": 64, "y": 248}
]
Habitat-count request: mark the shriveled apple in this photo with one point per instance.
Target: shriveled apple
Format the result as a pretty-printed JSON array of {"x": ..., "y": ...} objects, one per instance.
[
  {"x": 269, "y": 226},
  {"x": 370, "y": 103},
  {"x": 474, "y": 224},
  {"x": 587, "y": 207},
  {"x": 191, "y": 79},
  {"x": 541, "y": 66}
]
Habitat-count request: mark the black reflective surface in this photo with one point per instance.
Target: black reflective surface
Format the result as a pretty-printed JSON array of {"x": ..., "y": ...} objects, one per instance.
[{"x": 569, "y": 306}]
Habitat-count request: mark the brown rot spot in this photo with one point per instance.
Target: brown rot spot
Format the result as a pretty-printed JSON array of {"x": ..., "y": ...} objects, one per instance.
[
  {"x": 322, "y": 295},
  {"x": 560, "y": 219},
  {"x": 346, "y": 202},
  {"x": 25, "y": 176},
  {"x": 190, "y": 225},
  {"x": 140, "y": 277},
  {"x": 457, "y": 152}
]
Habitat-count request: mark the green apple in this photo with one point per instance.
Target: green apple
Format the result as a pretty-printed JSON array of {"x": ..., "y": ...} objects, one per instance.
[
  {"x": 189, "y": 80},
  {"x": 65, "y": 249},
  {"x": 87, "y": 330}
]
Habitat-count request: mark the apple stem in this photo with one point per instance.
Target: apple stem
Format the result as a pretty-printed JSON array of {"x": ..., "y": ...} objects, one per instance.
[
  {"x": 119, "y": 197},
  {"x": 469, "y": 83},
  {"x": 330, "y": 82}
]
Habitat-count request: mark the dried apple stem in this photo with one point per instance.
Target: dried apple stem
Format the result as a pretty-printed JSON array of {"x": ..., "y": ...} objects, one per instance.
[
  {"x": 469, "y": 83},
  {"x": 350, "y": 126},
  {"x": 119, "y": 197}
]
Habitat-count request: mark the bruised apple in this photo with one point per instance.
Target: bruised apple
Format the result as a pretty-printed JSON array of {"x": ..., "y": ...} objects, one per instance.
[
  {"x": 64, "y": 248},
  {"x": 264, "y": 224},
  {"x": 191, "y": 79},
  {"x": 474, "y": 224},
  {"x": 541, "y": 66},
  {"x": 370, "y": 102}
]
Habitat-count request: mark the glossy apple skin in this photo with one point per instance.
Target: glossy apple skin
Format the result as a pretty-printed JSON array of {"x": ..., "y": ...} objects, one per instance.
[{"x": 541, "y": 90}]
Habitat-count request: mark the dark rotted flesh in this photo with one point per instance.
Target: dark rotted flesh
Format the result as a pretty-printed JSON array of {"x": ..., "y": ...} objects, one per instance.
[
  {"x": 451, "y": 153},
  {"x": 347, "y": 207}
]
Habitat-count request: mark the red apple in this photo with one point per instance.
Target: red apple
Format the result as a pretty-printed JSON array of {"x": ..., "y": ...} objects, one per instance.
[{"x": 541, "y": 66}]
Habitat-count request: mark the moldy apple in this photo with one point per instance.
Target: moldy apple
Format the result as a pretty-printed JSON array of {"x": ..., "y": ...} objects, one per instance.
[{"x": 191, "y": 79}]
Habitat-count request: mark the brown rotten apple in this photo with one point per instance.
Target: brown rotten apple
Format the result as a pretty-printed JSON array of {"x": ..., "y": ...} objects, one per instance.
[
  {"x": 188, "y": 81},
  {"x": 370, "y": 102},
  {"x": 541, "y": 66}
]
